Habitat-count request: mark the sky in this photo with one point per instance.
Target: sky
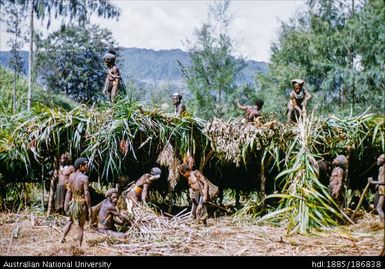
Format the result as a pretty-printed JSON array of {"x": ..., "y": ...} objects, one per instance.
[{"x": 168, "y": 24}]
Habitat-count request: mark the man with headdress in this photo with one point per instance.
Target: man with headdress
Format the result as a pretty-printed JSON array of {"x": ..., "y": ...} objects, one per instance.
[
  {"x": 180, "y": 108},
  {"x": 251, "y": 112},
  {"x": 298, "y": 100},
  {"x": 78, "y": 200},
  {"x": 340, "y": 164},
  {"x": 109, "y": 215},
  {"x": 381, "y": 187},
  {"x": 63, "y": 173},
  {"x": 113, "y": 78},
  {"x": 201, "y": 191}
]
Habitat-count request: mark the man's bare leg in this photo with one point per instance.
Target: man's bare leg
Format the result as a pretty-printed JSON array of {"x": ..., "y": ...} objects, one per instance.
[
  {"x": 114, "y": 92},
  {"x": 290, "y": 113},
  {"x": 380, "y": 207},
  {"x": 80, "y": 234},
  {"x": 67, "y": 229},
  {"x": 81, "y": 223}
]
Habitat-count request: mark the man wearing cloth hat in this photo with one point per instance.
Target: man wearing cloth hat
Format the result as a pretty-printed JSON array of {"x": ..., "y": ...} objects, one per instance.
[
  {"x": 112, "y": 82},
  {"x": 298, "y": 99},
  {"x": 180, "y": 108}
]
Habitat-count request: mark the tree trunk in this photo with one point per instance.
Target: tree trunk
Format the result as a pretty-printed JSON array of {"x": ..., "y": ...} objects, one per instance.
[
  {"x": 170, "y": 195},
  {"x": 263, "y": 181},
  {"x": 14, "y": 92},
  {"x": 43, "y": 184},
  {"x": 29, "y": 101},
  {"x": 52, "y": 187},
  {"x": 51, "y": 195}
]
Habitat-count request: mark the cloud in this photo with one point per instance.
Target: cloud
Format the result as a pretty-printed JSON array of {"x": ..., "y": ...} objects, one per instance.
[{"x": 165, "y": 24}]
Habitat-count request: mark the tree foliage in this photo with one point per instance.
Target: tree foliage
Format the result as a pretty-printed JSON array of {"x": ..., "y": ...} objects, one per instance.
[
  {"x": 71, "y": 61},
  {"x": 16, "y": 42},
  {"x": 212, "y": 73},
  {"x": 78, "y": 11},
  {"x": 337, "y": 47},
  {"x": 75, "y": 11}
]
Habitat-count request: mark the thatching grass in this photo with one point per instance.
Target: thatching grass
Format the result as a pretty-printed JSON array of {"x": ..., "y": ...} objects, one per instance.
[{"x": 115, "y": 136}]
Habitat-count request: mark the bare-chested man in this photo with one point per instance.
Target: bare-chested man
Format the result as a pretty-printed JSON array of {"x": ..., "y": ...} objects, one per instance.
[
  {"x": 381, "y": 186},
  {"x": 78, "y": 200},
  {"x": 180, "y": 108},
  {"x": 63, "y": 173},
  {"x": 251, "y": 112},
  {"x": 113, "y": 78},
  {"x": 336, "y": 182},
  {"x": 298, "y": 100},
  {"x": 201, "y": 190},
  {"x": 109, "y": 215},
  {"x": 139, "y": 191}
]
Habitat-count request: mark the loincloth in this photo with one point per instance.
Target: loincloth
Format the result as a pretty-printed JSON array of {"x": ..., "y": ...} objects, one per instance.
[
  {"x": 77, "y": 209},
  {"x": 381, "y": 190},
  {"x": 134, "y": 191}
]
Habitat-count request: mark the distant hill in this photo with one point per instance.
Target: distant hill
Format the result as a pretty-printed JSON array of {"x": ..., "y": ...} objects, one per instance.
[
  {"x": 147, "y": 65},
  {"x": 149, "y": 68},
  {"x": 5, "y": 56}
]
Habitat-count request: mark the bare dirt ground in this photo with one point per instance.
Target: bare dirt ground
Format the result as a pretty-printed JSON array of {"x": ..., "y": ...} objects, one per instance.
[{"x": 39, "y": 236}]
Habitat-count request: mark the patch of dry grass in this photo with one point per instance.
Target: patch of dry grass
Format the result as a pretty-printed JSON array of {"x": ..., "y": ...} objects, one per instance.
[{"x": 222, "y": 236}]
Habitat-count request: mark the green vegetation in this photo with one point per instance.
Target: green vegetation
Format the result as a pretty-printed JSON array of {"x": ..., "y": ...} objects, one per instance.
[
  {"x": 70, "y": 61},
  {"x": 123, "y": 138},
  {"x": 338, "y": 48},
  {"x": 41, "y": 96}
]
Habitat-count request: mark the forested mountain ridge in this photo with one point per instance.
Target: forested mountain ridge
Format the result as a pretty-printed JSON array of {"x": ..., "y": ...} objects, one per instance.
[{"x": 151, "y": 66}]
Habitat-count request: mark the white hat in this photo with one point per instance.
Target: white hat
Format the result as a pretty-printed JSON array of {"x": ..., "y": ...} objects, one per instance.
[{"x": 297, "y": 80}]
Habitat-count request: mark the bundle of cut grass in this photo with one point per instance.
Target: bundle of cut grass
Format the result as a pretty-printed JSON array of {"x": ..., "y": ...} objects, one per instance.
[
  {"x": 233, "y": 141},
  {"x": 168, "y": 159},
  {"x": 149, "y": 225}
]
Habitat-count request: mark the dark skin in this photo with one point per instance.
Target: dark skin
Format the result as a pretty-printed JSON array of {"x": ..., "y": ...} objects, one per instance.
[
  {"x": 296, "y": 104},
  {"x": 179, "y": 107},
  {"x": 199, "y": 194},
  {"x": 143, "y": 183},
  {"x": 63, "y": 173},
  {"x": 251, "y": 112},
  {"x": 337, "y": 177},
  {"x": 113, "y": 76},
  {"x": 78, "y": 183},
  {"x": 65, "y": 170},
  {"x": 381, "y": 187},
  {"x": 109, "y": 216},
  {"x": 336, "y": 183}
]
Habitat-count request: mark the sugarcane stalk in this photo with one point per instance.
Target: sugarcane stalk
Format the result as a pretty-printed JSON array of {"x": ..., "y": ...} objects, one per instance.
[{"x": 360, "y": 201}]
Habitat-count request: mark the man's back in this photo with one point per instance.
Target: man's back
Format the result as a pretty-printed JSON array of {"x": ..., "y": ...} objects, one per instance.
[
  {"x": 105, "y": 214},
  {"x": 77, "y": 181}
]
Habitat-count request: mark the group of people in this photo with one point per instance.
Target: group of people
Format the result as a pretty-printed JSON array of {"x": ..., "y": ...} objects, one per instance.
[
  {"x": 339, "y": 175},
  {"x": 295, "y": 108},
  {"x": 72, "y": 197},
  {"x": 201, "y": 190}
]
